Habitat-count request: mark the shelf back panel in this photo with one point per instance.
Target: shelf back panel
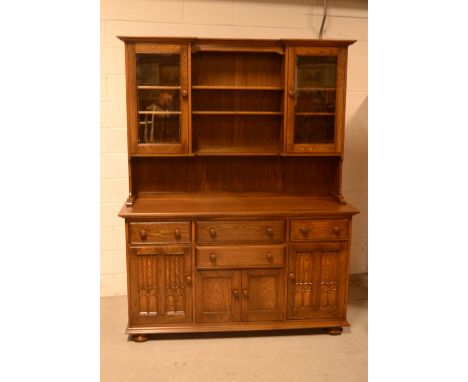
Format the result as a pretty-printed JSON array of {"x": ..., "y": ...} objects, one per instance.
[{"x": 301, "y": 175}]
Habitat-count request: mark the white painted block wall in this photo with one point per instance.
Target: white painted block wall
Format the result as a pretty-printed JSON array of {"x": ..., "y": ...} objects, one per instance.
[{"x": 230, "y": 19}]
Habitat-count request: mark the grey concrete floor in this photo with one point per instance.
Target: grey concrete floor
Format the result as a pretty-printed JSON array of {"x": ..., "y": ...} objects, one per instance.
[{"x": 260, "y": 356}]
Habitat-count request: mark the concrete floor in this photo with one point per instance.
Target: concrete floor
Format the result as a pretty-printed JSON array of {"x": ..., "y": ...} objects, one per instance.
[{"x": 272, "y": 356}]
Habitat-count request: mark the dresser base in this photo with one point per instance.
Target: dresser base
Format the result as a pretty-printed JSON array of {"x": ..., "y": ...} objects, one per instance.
[{"x": 140, "y": 334}]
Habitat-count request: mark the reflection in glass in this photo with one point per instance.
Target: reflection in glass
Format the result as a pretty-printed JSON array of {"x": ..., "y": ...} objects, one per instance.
[
  {"x": 158, "y": 69},
  {"x": 314, "y": 129},
  {"x": 315, "y": 72},
  {"x": 159, "y": 116},
  {"x": 315, "y": 101}
]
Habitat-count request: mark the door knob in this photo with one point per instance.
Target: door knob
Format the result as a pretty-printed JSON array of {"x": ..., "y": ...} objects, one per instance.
[
  {"x": 292, "y": 93},
  {"x": 189, "y": 280},
  {"x": 183, "y": 93},
  {"x": 292, "y": 276},
  {"x": 235, "y": 293},
  {"x": 245, "y": 292}
]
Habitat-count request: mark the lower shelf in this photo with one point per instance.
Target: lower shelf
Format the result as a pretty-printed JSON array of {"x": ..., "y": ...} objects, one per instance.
[{"x": 236, "y": 327}]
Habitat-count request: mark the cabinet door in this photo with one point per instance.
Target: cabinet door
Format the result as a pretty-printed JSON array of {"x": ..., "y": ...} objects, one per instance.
[
  {"x": 158, "y": 98},
  {"x": 160, "y": 289},
  {"x": 262, "y": 295},
  {"x": 317, "y": 282},
  {"x": 218, "y": 296},
  {"x": 316, "y": 86}
]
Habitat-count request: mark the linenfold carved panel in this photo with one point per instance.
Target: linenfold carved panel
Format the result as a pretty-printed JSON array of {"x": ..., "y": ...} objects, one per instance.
[
  {"x": 328, "y": 282},
  {"x": 174, "y": 284},
  {"x": 148, "y": 290},
  {"x": 304, "y": 287}
]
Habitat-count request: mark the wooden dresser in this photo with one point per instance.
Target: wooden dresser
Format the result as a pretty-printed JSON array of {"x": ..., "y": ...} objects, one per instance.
[{"x": 235, "y": 219}]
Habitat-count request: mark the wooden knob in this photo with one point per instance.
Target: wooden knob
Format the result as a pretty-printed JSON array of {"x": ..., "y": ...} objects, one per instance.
[
  {"x": 189, "y": 280},
  {"x": 183, "y": 93},
  {"x": 269, "y": 256},
  {"x": 235, "y": 293},
  {"x": 336, "y": 229},
  {"x": 212, "y": 232},
  {"x": 292, "y": 276},
  {"x": 269, "y": 231},
  {"x": 212, "y": 257},
  {"x": 177, "y": 234},
  {"x": 305, "y": 230},
  {"x": 292, "y": 93},
  {"x": 245, "y": 292},
  {"x": 143, "y": 234}
]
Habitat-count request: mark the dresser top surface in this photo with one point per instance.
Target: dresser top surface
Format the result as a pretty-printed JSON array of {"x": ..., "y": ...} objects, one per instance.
[{"x": 231, "y": 206}]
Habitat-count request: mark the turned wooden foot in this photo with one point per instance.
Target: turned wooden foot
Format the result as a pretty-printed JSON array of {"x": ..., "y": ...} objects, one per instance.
[
  {"x": 140, "y": 337},
  {"x": 334, "y": 331}
]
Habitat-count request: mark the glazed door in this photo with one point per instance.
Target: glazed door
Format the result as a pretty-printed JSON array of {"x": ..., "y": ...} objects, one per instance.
[
  {"x": 262, "y": 295},
  {"x": 317, "y": 280},
  {"x": 316, "y": 79},
  {"x": 160, "y": 285},
  {"x": 218, "y": 296},
  {"x": 158, "y": 98}
]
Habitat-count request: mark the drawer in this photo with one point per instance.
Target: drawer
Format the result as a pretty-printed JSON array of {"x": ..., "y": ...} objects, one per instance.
[
  {"x": 161, "y": 232},
  {"x": 245, "y": 230},
  {"x": 319, "y": 229},
  {"x": 240, "y": 256}
]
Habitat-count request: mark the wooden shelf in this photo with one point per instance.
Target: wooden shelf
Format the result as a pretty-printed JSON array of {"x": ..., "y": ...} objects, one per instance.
[
  {"x": 313, "y": 113},
  {"x": 237, "y": 150},
  {"x": 159, "y": 112},
  {"x": 157, "y": 87},
  {"x": 314, "y": 89},
  {"x": 232, "y": 112},
  {"x": 235, "y": 87}
]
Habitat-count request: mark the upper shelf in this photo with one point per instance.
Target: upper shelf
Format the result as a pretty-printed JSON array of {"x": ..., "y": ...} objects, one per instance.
[{"x": 235, "y": 87}]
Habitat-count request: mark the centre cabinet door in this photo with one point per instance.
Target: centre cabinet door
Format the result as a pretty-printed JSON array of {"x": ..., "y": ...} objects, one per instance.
[
  {"x": 158, "y": 98},
  {"x": 316, "y": 86},
  {"x": 160, "y": 285},
  {"x": 235, "y": 295}
]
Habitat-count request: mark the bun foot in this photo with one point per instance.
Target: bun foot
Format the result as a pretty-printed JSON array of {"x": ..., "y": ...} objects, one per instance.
[
  {"x": 140, "y": 337},
  {"x": 334, "y": 331}
]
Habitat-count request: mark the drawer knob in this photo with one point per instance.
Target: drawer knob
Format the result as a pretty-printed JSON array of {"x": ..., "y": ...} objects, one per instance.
[
  {"x": 177, "y": 234},
  {"x": 143, "y": 234},
  {"x": 245, "y": 292},
  {"x": 305, "y": 230},
  {"x": 212, "y": 232},
  {"x": 336, "y": 229},
  {"x": 189, "y": 280},
  {"x": 292, "y": 276},
  {"x": 269, "y": 256},
  {"x": 235, "y": 293},
  {"x": 269, "y": 231},
  {"x": 212, "y": 257}
]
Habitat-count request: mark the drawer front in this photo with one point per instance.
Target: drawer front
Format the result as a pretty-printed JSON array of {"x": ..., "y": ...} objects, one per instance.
[
  {"x": 163, "y": 232},
  {"x": 319, "y": 229},
  {"x": 248, "y": 230},
  {"x": 241, "y": 256}
]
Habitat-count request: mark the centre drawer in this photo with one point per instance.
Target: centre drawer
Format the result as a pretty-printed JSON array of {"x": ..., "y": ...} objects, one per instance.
[
  {"x": 240, "y": 256},
  {"x": 240, "y": 230},
  {"x": 159, "y": 232}
]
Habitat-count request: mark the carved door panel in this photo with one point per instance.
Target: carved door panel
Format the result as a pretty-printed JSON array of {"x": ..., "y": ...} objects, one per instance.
[
  {"x": 317, "y": 280},
  {"x": 161, "y": 285},
  {"x": 218, "y": 296},
  {"x": 262, "y": 295}
]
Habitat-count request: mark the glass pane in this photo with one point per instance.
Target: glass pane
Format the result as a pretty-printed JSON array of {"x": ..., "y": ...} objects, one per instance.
[
  {"x": 315, "y": 72},
  {"x": 158, "y": 84},
  {"x": 315, "y": 98},
  {"x": 158, "y": 69},
  {"x": 314, "y": 129}
]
